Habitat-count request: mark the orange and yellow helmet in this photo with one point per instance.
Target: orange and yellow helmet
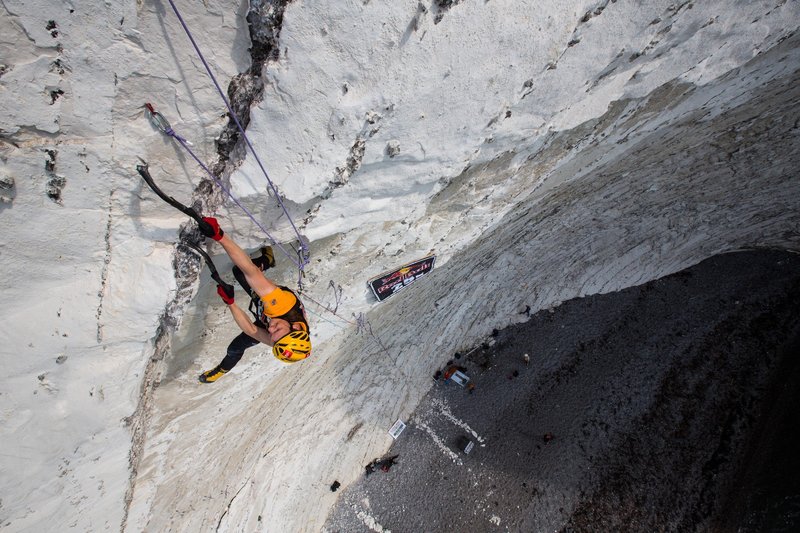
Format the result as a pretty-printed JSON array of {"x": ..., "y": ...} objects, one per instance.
[{"x": 292, "y": 347}]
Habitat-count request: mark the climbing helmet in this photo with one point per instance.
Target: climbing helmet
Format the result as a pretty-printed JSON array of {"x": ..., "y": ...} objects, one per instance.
[{"x": 292, "y": 347}]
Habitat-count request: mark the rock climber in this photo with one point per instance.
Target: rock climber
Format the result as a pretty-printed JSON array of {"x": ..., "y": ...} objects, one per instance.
[{"x": 280, "y": 318}]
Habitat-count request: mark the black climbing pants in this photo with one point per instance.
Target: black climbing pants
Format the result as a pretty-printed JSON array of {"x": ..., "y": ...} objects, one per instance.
[
  {"x": 243, "y": 341},
  {"x": 236, "y": 350}
]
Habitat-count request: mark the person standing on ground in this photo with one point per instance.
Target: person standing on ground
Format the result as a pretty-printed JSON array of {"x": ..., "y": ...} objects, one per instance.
[{"x": 280, "y": 318}]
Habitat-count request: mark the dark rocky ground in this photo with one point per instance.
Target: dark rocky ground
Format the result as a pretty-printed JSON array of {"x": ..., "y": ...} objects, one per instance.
[{"x": 672, "y": 406}]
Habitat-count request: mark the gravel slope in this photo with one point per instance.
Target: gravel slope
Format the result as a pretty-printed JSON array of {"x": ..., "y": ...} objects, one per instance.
[{"x": 670, "y": 406}]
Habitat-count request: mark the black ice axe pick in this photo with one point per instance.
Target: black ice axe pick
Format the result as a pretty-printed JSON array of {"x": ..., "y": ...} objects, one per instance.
[{"x": 144, "y": 172}]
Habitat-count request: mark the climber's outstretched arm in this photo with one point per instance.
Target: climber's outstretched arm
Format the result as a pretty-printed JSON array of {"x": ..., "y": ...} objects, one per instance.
[
  {"x": 252, "y": 273},
  {"x": 258, "y": 282},
  {"x": 244, "y": 323}
]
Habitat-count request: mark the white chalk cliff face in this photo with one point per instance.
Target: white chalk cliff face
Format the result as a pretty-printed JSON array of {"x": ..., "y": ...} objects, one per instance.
[{"x": 541, "y": 152}]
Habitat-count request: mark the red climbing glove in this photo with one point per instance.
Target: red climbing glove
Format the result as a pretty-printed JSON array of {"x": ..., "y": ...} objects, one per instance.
[
  {"x": 210, "y": 228},
  {"x": 226, "y": 293}
]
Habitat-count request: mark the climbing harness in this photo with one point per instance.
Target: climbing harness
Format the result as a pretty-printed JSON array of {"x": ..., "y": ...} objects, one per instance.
[{"x": 303, "y": 252}]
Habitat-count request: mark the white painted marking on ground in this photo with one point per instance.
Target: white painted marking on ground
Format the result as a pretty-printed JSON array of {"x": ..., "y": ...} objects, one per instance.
[
  {"x": 442, "y": 446},
  {"x": 371, "y": 523},
  {"x": 445, "y": 411}
]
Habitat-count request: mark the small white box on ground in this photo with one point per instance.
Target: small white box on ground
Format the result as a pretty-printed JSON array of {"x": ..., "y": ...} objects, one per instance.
[
  {"x": 460, "y": 378},
  {"x": 465, "y": 444},
  {"x": 397, "y": 428}
]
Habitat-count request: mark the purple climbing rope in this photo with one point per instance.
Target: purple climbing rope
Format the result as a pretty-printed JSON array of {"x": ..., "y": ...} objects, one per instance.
[
  {"x": 303, "y": 252},
  {"x": 163, "y": 125}
]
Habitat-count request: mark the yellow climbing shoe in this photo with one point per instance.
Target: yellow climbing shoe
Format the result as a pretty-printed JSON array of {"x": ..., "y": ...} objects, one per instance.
[
  {"x": 210, "y": 376},
  {"x": 265, "y": 259}
]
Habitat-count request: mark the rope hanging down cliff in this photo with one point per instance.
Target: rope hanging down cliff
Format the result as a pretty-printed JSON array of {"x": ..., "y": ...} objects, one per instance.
[
  {"x": 303, "y": 253},
  {"x": 163, "y": 125},
  {"x": 361, "y": 323}
]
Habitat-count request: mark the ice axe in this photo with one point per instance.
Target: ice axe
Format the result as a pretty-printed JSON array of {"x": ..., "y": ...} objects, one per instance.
[{"x": 143, "y": 171}]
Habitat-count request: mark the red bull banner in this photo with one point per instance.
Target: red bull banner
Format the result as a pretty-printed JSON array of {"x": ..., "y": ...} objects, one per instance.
[{"x": 393, "y": 282}]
